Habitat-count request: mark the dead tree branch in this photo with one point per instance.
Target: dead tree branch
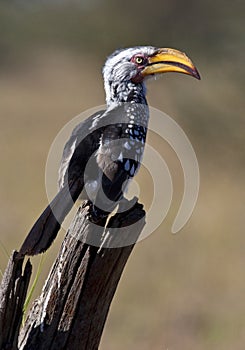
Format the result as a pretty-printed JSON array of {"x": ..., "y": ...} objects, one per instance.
[{"x": 73, "y": 306}]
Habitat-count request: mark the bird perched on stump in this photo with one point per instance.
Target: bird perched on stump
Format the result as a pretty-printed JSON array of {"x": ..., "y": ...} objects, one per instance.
[{"x": 104, "y": 151}]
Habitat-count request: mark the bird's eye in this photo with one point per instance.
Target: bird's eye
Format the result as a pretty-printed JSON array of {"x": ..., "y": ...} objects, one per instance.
[{"x": 139, "y": 59}]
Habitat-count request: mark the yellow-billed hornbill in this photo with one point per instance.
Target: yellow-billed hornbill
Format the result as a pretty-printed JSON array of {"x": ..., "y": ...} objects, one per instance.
[{"x": 105, "y": 150}]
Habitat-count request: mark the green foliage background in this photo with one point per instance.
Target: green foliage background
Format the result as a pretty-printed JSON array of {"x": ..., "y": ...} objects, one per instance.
[{"x": 178, "y": 292}]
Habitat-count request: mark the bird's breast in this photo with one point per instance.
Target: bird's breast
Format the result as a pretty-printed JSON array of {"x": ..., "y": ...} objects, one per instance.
[{"x": 121, "y": 149}]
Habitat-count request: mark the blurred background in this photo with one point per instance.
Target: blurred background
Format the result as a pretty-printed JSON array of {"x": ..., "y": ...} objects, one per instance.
[{"x": 183, "y": 291}]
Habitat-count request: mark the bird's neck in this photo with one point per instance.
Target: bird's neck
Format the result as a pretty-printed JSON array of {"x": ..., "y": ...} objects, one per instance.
[{"x": 117, "y": 93}]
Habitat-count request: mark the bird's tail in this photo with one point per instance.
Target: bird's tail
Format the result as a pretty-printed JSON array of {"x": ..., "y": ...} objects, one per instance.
[{"x": 45, "y": 229}]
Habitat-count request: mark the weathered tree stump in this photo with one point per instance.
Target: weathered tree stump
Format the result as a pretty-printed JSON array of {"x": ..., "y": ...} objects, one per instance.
[
  {"x": 12, "y": 297},
  {"x": 72, "y": 308}
]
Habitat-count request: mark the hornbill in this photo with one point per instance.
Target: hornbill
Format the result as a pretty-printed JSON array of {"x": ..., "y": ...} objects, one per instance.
[{"x": 104, "y": 151}]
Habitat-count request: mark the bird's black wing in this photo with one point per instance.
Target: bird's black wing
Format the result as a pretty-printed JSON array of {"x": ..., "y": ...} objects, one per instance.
[
  {"x": 109, "y": 163},
  {"x": 79, "y": 134}
]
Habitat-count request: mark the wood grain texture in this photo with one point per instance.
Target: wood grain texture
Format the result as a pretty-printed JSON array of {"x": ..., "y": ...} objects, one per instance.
[{"x": 13, "y": 291}]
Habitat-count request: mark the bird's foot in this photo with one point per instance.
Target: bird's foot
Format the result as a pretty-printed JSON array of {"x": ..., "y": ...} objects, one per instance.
[{"x": 97, "y": 215}]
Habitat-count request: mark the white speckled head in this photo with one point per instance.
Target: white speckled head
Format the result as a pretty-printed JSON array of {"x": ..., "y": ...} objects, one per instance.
[{"x": 120, "y": 69}]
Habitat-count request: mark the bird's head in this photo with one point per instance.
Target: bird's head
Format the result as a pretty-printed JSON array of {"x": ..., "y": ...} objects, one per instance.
[{"x": 127, "y": 69}]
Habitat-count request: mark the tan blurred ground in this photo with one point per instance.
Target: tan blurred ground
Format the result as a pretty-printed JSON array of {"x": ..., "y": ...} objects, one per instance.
[{"x": 178, "y": 292}]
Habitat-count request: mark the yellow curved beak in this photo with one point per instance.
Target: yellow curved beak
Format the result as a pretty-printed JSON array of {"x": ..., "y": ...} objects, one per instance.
[{"x": 170, "y": 60}]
